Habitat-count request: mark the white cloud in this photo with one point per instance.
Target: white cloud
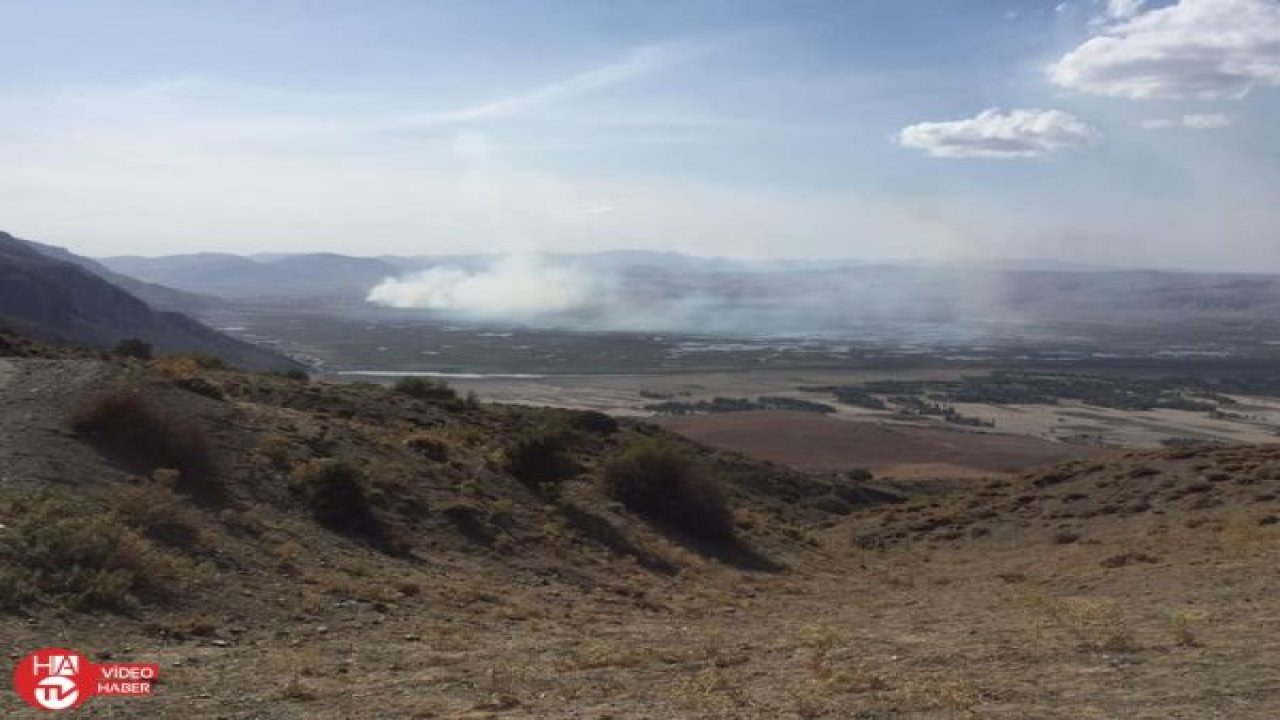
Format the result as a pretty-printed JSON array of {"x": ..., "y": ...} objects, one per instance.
[
  {"x": 1209, "y": 121},
  {"x": 1201, "y": 49},
  {"x": 996, "y": 134},
  {"x": 1205, "y": 121},
  {"x": 639, "y": 63},
  {"x": 1122, "y": 9}
]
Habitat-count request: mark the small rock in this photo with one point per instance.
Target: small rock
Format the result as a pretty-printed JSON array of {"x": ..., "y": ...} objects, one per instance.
[
  {"x": 219, "y": 643},
  {"x": 411, "y": 637}
]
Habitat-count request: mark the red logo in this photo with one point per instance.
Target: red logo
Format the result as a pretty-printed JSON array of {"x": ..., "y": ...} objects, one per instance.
[{"x": 60, "y": 679}]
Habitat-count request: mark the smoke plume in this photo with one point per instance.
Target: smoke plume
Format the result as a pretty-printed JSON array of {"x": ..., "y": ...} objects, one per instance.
[{"x": 516, "y": 285}]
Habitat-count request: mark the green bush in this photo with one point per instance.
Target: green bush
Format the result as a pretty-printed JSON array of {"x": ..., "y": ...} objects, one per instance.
[
  {"x": 540, "y": 456},
  {"x": 334, "y": 492},
  {"x": 596, "y": 423},
  {"x": 65, "y": 550},
  {"x": 426, "y": 388},
  {"x": 659, "y": 480},
  {"x": 134, "y": 348},
  {"x": 860, "y": 475}
]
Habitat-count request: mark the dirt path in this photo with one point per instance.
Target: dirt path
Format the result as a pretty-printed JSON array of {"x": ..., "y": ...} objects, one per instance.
[{"x": 36, "y": 395}]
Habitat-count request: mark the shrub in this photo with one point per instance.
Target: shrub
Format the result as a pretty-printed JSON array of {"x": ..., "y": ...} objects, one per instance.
[
  {"x": 124, "y": 424},
  {"x": 426, "y": 388},
  {"x": 57, "y": 552},
  {"x": 596, "y": 423},
  {"x": 660, "y": 481},
  {"x": 158, "y": 513},
  {"x": 541, "y": 455},
  {"x": 860, "y": 475},
  {"x": 134, "y": 348},
  {"x": 334, "y": 491}
]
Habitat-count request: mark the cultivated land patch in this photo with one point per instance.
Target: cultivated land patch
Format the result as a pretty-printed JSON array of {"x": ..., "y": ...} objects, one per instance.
[{"x": 814, "y": 442}]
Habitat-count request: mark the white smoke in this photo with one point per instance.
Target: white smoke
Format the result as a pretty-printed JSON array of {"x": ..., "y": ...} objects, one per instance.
[{"x": 515, "y": 285}]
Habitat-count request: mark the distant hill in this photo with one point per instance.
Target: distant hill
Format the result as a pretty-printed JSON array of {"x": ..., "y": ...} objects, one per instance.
[
  {"x": 63, "y": 301},
  {"x": 157, "y": 296},
  {"x": 226, "y": 276},
  {"x": 671, "y": 292}
]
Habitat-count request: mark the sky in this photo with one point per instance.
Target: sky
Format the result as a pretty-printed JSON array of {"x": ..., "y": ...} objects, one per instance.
[{"x": 1114, "y": 132}]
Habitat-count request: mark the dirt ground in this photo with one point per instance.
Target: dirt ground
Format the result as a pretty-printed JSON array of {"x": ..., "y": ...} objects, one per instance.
[{"x": 972, "y": 629}]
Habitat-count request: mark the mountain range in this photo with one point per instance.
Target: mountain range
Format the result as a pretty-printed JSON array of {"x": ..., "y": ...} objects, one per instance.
[{"x": 55, "y": 295}]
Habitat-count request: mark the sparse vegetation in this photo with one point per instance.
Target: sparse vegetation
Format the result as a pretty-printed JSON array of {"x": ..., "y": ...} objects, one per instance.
[
  {"x": 923, "y": 617},
  {"x": 661, "y": 481}
]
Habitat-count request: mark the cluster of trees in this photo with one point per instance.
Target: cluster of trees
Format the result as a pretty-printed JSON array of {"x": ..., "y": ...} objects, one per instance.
[
  {"x": 1025, "y": 388},
  {"x": 855, "y": 395},
  {"x": 728, "y": 404}
]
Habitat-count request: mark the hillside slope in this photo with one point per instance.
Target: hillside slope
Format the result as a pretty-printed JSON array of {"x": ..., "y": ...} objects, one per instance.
[
  {"x": 63, "y": 302},
  {"x": 290, "y": 549}
]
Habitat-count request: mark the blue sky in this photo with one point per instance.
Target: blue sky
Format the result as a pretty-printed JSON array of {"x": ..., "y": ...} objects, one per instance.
[{"x": 1088, "y": 130}]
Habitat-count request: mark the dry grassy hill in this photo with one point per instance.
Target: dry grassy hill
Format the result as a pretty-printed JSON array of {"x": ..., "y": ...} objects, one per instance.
[{"x": 290, "y": 549}]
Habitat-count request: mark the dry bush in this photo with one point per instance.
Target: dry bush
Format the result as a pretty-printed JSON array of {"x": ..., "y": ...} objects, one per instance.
[
  {"x": 154, "y": 510},
  {"x": 184, "y": 371},
  {"x": 428, "y": 446},
  {"x": 124, "y": 424},
  {"x": 279, "y": 450},
  {"x": 657, "y": 479}
]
